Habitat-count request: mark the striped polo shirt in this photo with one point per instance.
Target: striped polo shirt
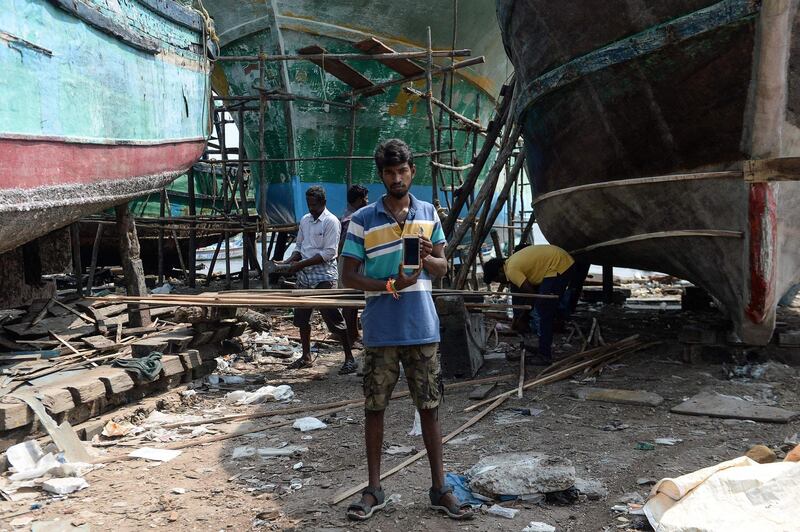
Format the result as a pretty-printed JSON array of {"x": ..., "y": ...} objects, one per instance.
[{"x": 375, "y": 239}]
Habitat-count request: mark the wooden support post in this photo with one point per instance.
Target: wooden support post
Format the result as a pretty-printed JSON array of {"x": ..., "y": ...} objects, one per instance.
[
  {"x": 489, "y": 185},
  {"x": 95, "y": 251},
  {"x": 131, "y": 264},
  {"x": 243, "y": 206},
  {"x": 192, "y": 231},
  {"x": 498, "y": 248},
  {"x": 479, "y": 161},
  {"x": 608, "y": 284},
  {"x": 77, "y": 268},
  {"x": 262, "y": 178},
  {"x": 484, "y": 226},
  {"x": 161, "y": 213},
  {"x": 352, "y": 149},
  {"x": 527, "y": 233},
  {"x": 431, "y": 122}
]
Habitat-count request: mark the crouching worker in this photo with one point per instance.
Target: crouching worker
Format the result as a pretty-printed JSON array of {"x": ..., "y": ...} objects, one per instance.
[
  {"x": 399, "y": 322},
  {"x": 544, "y": 270},
  {"x": 314, "y": 262}
]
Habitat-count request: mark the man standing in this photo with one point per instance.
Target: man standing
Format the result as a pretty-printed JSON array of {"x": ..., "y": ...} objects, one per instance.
[
  {"x": 400, "y": 322},
  {"x": 544, "y": 270},
  {"x": 357, "y": 197},
  {"x": 314, "y": 262}
]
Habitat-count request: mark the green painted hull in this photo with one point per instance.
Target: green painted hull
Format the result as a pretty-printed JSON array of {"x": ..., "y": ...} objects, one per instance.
[{"x": 321, "y": 131}]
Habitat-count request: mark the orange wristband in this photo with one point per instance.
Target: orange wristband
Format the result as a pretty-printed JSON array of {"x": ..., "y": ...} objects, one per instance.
[{"x": 390, "y": 287}]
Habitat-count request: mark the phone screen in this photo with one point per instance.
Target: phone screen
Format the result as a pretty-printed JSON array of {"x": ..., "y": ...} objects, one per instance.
[{"x": 411, "y": 251}]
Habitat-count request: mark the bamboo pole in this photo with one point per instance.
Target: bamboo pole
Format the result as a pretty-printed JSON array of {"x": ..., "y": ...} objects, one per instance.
[
  {"x": 485, "y": 193},
  {"x": 470, "y": 124},
  {"x": 465, "y": 52},
  {"x": 479, "y": 160},
  {"x": 431, "y": 122}
]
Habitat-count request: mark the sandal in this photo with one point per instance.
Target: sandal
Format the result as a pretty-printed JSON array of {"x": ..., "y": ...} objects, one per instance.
[
  {"x": 455, "y": 511},
  {"x": 380, "y": 504},
  {"x": 349, "y": 366},
  {"x": 300, "y": 363}
]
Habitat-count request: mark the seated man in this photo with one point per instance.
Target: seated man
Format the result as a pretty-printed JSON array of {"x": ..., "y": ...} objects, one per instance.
[
  {"x": 314, "y": 262},
  {"x": 544, "y": 270}
]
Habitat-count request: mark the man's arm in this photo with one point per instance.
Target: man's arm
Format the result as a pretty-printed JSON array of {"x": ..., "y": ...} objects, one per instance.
[
  {"x": 433, "y": 259},
  {"x": 353, "y": 278}
]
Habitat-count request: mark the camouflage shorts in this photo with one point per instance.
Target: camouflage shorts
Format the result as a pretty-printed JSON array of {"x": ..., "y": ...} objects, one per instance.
[{"x": 422, "y": 369}]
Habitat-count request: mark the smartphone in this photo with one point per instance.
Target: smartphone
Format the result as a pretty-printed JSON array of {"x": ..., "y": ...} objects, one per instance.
[{"x": 411, "y": 252}]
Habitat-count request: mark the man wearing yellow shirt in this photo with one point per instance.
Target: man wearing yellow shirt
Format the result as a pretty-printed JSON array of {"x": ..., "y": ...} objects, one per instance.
[{"x": 546, "y": 270}]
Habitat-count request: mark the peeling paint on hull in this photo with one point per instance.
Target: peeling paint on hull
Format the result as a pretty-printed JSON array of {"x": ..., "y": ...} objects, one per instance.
[
  {"x": 246, "y": 29},
  {"x": 102, "y": 102}
]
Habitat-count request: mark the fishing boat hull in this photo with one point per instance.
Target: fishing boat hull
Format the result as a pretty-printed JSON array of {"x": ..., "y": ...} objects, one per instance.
[
  {"x": 103, "y": 102},
  {"x": 300, "y": 129},
  {"x": 641, "y": 132}
]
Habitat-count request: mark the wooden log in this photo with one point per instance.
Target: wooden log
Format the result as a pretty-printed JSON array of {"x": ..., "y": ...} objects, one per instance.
[
  {"x": 471, "y": 124},
  {"x": 131, "y": 264}
]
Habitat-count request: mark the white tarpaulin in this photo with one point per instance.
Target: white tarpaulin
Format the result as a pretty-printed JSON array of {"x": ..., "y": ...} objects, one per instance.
[{"x": 737, "y": 495}]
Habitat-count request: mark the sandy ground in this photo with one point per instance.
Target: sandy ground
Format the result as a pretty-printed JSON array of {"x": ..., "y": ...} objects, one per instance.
[{"x": 255, "y": 493}]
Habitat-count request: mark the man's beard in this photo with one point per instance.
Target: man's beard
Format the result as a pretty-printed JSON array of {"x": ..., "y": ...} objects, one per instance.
[{"x": 397, "y": 193}]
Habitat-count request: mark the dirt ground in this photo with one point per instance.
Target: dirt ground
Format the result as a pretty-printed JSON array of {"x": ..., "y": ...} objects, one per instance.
[{"x": 268, "y": 494}]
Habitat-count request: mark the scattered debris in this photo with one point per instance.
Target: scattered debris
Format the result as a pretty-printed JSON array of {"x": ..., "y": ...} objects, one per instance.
[
  {"x": 644, "y": 446},
  {"x": 520, "y": 474},
  {"x": 416, "y": 428},
  {"x": 156, "y": 455},
  {"x": 615, "y": 425},
  {"x": 610, "y": 395},
  {"x": 728, "y": 406},
  {"x": 761, "y": 454},
  {"x": 667, "y": 441},
  {"x": 305, "y": 424},
  {"x": 283, "y": 392},
  {"x": 501, "y": 511},
  {"x": 593, "y": 489},
  {"x": 64, "y": 486},
  {"x": 399, "y": 450},
  {"x": 116, "y": 430},
  {"x": 538, "y": 526},
  {"x": 482, "y": 391}
]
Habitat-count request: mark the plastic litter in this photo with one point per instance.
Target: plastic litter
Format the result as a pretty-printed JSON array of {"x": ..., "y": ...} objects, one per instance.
[
  {"x": 156, "y": 455},
  {"x": 538, "y": 526},
  {"x": 283, "y": 392},
  {"x": 668, "y": 441},
  {"x": 644, "y": 446},
  {"x": 115, "y": 430},
  {"x": 501, "y": 511},
  {"x": 64, "y": 486},
  {"x": 297, "y": 466},
  {"x": 305, "y": 424},
  {"x": 165, "y": 288},
  {"x": 416, "y": 428},
  {"x": 178, "y": 491}
]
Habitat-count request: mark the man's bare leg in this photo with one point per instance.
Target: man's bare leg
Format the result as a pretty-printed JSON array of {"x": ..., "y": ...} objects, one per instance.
[
  {"x": 432, "y": 436},
  {"x": 373, "y": 436},
  {"x": 305, "y": 341}
]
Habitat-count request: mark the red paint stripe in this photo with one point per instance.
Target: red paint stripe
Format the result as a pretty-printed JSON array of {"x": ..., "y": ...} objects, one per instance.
[
  {"x": 34, "y": 163},
  {"x": 763, "y": 247}
]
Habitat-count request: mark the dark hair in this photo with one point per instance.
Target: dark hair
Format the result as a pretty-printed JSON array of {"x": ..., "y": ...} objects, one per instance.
[
  {"x": 491, "y": 269},
  {"x": 355, "y": 193},
  {"x": 316, "y": 192},
  {"x": 393, "y": 152}
]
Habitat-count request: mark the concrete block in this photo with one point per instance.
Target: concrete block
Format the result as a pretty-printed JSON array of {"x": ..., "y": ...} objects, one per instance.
[
  {"x": 172, "y": 365},
  {"x": 13, "y": 415},
  {"x": 697, "y": 335},
  {"x": 238, "y": 329},
  {"x": 789, "y": 339},
  {"x": 145, "y": 346},
  {"x": 190, "y": 359},
  {"x": 115, "y": 380},
  {"x": 86, "y": 388},
  {"x": 202, "y": 338},
  {"x": 56, "y": 400}
]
